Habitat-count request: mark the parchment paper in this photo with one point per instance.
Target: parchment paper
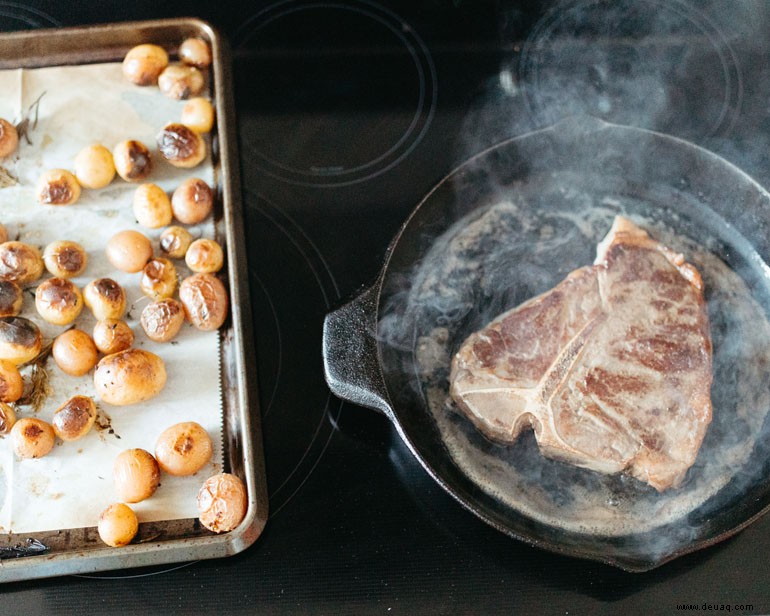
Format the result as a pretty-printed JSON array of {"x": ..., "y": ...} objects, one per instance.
[{"x": 69, "y": 487}]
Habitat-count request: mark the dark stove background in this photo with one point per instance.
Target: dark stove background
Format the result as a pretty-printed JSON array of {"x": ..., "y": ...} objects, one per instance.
[{"x": 349, "y": 112}]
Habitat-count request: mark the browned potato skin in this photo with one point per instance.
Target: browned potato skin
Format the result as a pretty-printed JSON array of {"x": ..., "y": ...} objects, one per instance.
[
  {"x": 58, "y": 301},
  {"x": 159, "y": 278},
  {"x": 135, "y": 475},
  {"x": 11, "y": 383},
  {"x": 133, "y": 161},
  {"x": 183, "y": 449},
  {"x": 144, "y": 63},
  {"x": 222, "y": 502},
  {"x": 58, "y": 187},
  {"x": 105, "y": 298},
  {"x": 162, "y": 320},
  {"x": 205, "y": 301},
  {"x": 32, "y": 437},
  {"x": 20, "y": 263},
  {"x": 128, "y": 377},
  {"x": 11, "y": 298},
  {"x": 20, "y": 340},
  {"x": 181, "y": 81},
  {"x": 75, "y": 418},
  {"x": 74, "y": 352},
  {"x": 65, "y": 259},
  {"x": 112, "y": 336},
  {"x": 192, "y": 201},
  {"x": 174, "y": 242},
  {"x": 180, "y": 145},
  {"x": 9, "y": 138}
]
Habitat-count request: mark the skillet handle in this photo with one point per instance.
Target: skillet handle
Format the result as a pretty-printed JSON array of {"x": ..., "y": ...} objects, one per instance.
[{"x": 351, "y": 364}]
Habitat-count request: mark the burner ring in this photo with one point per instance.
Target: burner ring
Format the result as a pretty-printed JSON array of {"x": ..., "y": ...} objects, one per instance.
[
  {"x": 409, "y": 132},
  {"x": 29, "y": 17},
  {"x": 633, "y": 92}
]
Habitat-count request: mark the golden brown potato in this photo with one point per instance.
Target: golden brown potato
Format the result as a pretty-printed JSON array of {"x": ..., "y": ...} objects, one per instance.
[
  {"x": 20, "y": 263},
  {"x": 11, "y": 298},
  {"x": 195, "y": 52},
  {"x": 11, "y": 383},
  {"x": 159, "y": 278},
  {"x": 3, "y": 233},
  {"x": 58, "y": 301},
  {"x": 192, "y": 201},
  {"x": 162, "y": 320},
  {"x": 135, "y": 475},
  {"x": 32, "y": 437},
  {"x": 205, "y": 301},
  {"x": 128, "y": 251},
  {"x": 180, "y": 81},
  {"x": 129, "y": 377},
  {"x": 9, "y": 138},
  {"x": 112, "y": 336},
  {"x": 65, "y": 259},
  {"x": 144, "y": 63},
  {"x": 152, "y": 207},
  {"x": 132, "y": 159},
  {"x": 183, "y": 449},
  {"x": 105, "y": 298},
  {"x": 198, "y": 114},
  {"x": 174, "y": 242},
  {"x": 205, "y": 256},
  {"x": 74, "y": 352},
  {"x": 117, "y": 525},
  {"x": 222, "y": 502},
  {"x": 57, "y": 187},
  {"x": 75, "y": 418},
  {"x": 7, "y": 418},
  {"x": 180, "y": 145},
  {"x": 20, "y": 340},
  {"x": 94, "y": 166}
]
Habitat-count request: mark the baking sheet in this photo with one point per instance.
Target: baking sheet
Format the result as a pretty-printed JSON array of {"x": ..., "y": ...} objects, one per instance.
[{"x": 68, "y": 488}]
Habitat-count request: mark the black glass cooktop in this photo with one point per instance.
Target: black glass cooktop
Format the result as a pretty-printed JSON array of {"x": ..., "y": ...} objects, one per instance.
[{"x": 349, "y": 112}]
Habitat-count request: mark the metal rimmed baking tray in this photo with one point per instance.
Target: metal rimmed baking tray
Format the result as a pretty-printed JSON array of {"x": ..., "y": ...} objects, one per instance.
[{"x": 80, "y": 550}]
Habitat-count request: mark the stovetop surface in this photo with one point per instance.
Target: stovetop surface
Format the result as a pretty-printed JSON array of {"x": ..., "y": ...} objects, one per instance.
[{"x": 349, "y": 111}]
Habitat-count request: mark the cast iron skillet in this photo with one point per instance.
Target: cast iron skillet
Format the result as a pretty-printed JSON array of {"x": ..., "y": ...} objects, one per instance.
[{"x": 512, "y": 222}]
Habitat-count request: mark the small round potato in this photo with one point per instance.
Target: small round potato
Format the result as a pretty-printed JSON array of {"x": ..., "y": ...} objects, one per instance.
[
  {"x": 94, "y": 166},
  {"x": 7, "y": 418},
  {"x": 65, "y": 259},
  {"x": 57, "y": 187},
  {"x": 152, "y": 207},
  {"x": 180, "y": 145},
  {"x": 205, "y": 301},
  {"x": 9, "y": 138},
  {"x": 74, "y": 352},
  {"x": 32, "y": 437},
  {"x": 73, "y": 419},
  {"x": 180, "y": 81},
  {"x": 198, "y": 114},
  {"x": 162, "y": 320},
  {"x": 129, "y": 251},
  {"x": 11, "y": 383},
  {"x": 105, "y": 298},
  {"x": 222, "y": 502},
  {"x": 183, "y": 449},
  {"x": 144, "y": 63},
  {"x": 112, "y": 336},
  {"x": 117, "y": 525},
  {"x": 159, "y": 278},
  {"x": 58, "y": 301},
  {"x": 135, "y": 475},
  {"x": 3, "y": 233},
  {"x": 20, "y": 262},
  {"x": 11, "y": 298},
  {"x": 205, "y": 256},
  {"x": 132, "y": 160},
  {"x": 174, "y": 242},
  {"x": 192, "y": 201},
  {"x": 195, "y": 52},
  {"x": 129, "y": 377},
  {"x": 20, "y": 340}
]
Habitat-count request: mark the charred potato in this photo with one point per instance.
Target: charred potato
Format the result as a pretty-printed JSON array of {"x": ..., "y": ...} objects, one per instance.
[
  {"x": 183, "y": 449},
  {"x": 75, "y": 418},
  {"x": 132, "y": 160},
  {"x": 32, "y": 437},
  {"x": 20, "y": 263},
  {"x": 57, "y": 187},
  {"x": 129, "y": 377},
  {"x": 65, "y": 259},
  {"x": 174, "y": 242},
  {"x": 20, "y": 340},
  {"x": 162, "y": 320},
  {"x": 112, "y": 336},
  {"x": 180, "y": 81},
  {"x": 180, "y": 145},
  {"x": 58, "y": 301},
  {"x": 11, "y": 298},
  {"x": 105, "y": 298},
  {"x": 205, "y": 301}
]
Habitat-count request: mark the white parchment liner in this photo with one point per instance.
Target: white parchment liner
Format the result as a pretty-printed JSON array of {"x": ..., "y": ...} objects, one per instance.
[{"x": 73, "y": 484}]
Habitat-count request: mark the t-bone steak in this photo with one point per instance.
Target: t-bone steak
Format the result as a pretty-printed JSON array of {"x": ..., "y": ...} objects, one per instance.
[{"x": 611, "y": 368}]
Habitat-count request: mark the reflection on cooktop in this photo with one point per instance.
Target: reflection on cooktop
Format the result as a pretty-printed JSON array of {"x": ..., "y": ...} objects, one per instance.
[{"x": 15, "y": 16}]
